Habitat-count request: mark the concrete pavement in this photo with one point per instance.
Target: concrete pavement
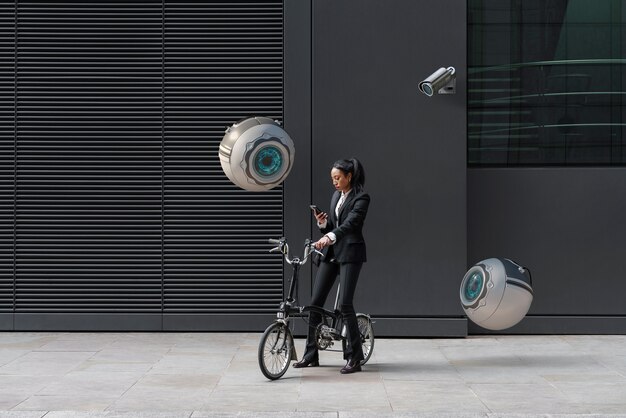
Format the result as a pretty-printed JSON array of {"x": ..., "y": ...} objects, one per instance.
[{"x": 216, "y": 375}]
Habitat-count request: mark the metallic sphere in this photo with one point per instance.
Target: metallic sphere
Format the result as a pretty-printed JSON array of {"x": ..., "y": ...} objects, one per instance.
[
  {"x": 496, "y": 293},
  {"x": 256, "y": 154}
]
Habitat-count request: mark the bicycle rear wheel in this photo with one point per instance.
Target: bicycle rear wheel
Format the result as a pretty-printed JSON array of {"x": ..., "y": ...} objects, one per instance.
[
  {"x": 367, "y": 336},
  {"x": 275, "y": 350}
]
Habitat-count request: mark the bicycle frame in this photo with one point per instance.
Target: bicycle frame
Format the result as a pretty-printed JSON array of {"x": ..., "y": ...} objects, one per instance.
[
  {"x": 288, "y": 309},
  {"x": 276, "y": 347}
]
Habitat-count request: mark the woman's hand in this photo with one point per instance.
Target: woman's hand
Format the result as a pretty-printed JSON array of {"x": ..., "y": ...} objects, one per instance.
[
  {"x": 323, "y": 242},
  {"x": 320, "y": 217}
]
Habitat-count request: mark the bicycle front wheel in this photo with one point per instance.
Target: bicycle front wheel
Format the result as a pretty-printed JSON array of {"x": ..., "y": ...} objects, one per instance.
[{"x": 275, "y": 349}]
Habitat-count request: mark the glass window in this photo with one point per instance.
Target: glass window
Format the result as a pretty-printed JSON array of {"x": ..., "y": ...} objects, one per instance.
[{"x": 546, "y": 82}]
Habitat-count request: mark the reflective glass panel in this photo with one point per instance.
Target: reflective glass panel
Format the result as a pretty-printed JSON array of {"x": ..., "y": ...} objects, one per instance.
[{"x": 546, "y": 82}]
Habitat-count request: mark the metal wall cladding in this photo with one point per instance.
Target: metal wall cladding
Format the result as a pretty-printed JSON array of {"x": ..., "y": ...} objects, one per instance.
[
  {"x": 121, "y": 205},
  {"x": 7, "y": 153},
  {"x": 223, "y": 61},
  {"x": 89, "y": 91}
]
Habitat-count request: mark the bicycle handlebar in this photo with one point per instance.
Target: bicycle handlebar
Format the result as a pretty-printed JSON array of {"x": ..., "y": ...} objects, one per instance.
[{"x": 283, "y": 248}]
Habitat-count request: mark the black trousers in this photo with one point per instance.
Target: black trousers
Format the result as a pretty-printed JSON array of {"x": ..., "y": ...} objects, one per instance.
[{"x": 326, "y": 276}]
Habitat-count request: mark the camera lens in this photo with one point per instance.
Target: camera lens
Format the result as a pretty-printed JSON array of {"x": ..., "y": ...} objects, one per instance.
[
  {"x": 268, "y": 161},
  {"x": 473, "y": 286},
  {"x": 427, "y": 89}
]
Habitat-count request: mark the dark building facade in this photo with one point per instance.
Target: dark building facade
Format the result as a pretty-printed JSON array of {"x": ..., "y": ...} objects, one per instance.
[{"x": 115, "y": 214}]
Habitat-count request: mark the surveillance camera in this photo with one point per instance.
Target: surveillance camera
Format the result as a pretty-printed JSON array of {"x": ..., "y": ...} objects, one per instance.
[{"x": 442, "y": 81}]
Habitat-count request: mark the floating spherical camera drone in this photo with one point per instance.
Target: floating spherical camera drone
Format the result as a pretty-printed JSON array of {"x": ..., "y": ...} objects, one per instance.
[
  {"x": 496, "y": 293},
  {"x": 256, "y": 153}
]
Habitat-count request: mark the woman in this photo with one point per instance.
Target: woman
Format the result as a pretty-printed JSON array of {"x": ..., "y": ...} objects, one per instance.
[{"x": 344, "y": 254}]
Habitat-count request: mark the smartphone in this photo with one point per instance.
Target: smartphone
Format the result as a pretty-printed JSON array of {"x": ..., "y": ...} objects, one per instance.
[{"x": 315, "y": 209}]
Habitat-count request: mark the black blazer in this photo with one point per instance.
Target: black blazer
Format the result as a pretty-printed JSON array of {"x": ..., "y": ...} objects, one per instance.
[{"x": 348, "y": 228}]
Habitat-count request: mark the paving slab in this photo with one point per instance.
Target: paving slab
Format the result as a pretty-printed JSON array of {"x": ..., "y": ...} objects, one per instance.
[{"x": 201, "y": 375}]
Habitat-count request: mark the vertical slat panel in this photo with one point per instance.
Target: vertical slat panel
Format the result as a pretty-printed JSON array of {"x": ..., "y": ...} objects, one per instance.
[
  {"x": 89, "y": 156},
  {"x": 7, "y": 151},
  {"x": 223, "y": 62}
]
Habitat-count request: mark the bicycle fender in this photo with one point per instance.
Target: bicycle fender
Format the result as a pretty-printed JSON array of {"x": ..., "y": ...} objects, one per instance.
[{"x": 294, "y": 354}]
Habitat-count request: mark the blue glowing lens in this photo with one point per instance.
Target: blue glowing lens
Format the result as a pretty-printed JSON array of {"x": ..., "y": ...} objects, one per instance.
[
  {"x": 268, "y": 161},
  {"x": 473, "y": 286}
]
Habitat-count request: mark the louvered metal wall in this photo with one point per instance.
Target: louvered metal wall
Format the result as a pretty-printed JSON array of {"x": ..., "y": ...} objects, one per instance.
[
  {"x": 223, "y": 61},
  {"x": 89, "y": 157},
  {"x": 121, "y": 206},
  {"x": 7, "y": 154}
]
